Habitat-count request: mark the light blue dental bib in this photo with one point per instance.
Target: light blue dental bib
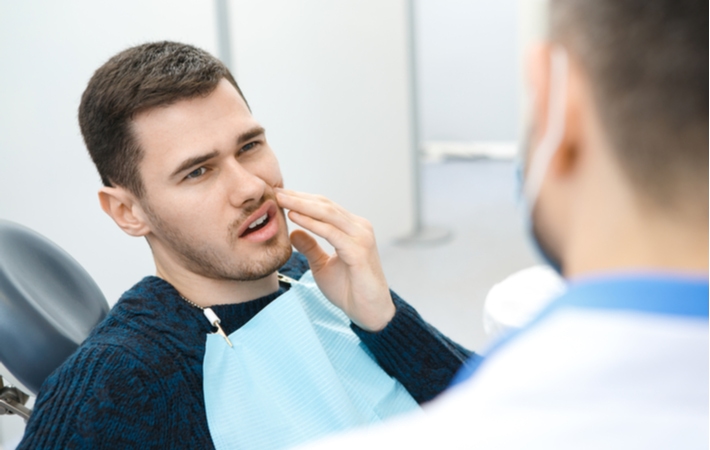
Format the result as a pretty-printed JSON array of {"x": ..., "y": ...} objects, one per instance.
[{"x": 296, "y": 372}]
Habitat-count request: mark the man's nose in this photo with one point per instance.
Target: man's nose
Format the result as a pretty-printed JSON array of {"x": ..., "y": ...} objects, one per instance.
[{"x": 243, "y": 185}]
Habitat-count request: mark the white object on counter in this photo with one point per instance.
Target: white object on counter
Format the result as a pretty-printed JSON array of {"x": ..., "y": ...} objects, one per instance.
[{"x": 515, "y": 301}]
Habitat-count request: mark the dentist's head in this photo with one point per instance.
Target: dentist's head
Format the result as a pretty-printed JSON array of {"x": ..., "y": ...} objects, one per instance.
[{"x": 616, "y": 163}]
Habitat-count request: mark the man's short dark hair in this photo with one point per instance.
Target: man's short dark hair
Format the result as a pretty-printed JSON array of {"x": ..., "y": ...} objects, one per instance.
[
  {"x": 136, "y": 79},
  {"x": 647, "y": 62}
]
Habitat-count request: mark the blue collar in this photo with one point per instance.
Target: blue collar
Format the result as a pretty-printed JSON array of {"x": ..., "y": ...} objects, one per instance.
[
  {"x": 648, "y": 293},
  {"x": 663, "y": 294}
]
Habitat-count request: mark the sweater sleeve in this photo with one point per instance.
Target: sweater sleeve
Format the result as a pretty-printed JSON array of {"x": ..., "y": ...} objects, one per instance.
[
  {"x": 101, "y": 398},
  {"x": 415, "y": 353},
  {"x": 296, "y": 266}
]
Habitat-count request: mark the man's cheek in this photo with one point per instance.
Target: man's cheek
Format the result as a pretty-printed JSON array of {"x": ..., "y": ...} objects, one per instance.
[{"x": 273, "y": 172}]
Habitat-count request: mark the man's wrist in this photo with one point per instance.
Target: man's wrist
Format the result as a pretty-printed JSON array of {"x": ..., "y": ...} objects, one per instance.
[{"x": 378, "y": 321}]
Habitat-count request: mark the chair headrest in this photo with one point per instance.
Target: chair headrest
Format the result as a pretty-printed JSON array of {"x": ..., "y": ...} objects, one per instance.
[{"x": 48, "y": 304}]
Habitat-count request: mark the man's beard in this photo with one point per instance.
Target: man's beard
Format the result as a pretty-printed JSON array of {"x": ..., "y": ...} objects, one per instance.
[{"x": 207, "y": 262}]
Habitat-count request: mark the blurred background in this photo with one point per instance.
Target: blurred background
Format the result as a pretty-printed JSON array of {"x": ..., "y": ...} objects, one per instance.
[{"x": 333, "y": 84}]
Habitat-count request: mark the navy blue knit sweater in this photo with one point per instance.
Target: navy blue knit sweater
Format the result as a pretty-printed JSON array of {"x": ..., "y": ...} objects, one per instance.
[{"x": 136, "y": 382}]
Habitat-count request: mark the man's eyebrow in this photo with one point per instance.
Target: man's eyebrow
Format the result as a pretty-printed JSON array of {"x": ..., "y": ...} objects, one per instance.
[
  {"x": 246, "y": 136},
  {"x": 194, "y": 161},
  {"x": 250, "y": 134}
]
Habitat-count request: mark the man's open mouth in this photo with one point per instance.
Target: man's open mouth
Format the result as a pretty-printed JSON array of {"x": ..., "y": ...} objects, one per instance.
[
  {"x": 259, "y": 219},
  {"x": 258, "y": 224}
]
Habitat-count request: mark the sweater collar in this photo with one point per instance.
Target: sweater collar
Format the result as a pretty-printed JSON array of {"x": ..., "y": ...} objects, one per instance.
[{"x": 155, "y": 300}]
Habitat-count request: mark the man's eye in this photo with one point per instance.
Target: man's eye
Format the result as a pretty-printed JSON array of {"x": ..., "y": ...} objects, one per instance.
[
  {"x": 248, "y": 147},
  {"x": 196, "y": 173}
]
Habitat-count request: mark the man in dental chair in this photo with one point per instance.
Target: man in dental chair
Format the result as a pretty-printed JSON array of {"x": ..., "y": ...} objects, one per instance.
[{"x": 235, "y": 341}]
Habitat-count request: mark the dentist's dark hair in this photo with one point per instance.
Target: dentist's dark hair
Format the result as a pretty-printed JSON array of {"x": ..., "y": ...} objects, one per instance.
[
  {"x": 134, "y": 80},
  {"x": 647, "y": 64}
]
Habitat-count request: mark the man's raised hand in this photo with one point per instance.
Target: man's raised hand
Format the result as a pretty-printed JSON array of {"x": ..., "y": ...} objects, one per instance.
[{"x": 352, "y": 278}]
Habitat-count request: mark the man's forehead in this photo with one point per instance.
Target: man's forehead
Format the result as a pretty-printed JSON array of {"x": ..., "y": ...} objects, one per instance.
[
  {"x": 224, "y": 95},
  {"x": 193, "y": 126}
]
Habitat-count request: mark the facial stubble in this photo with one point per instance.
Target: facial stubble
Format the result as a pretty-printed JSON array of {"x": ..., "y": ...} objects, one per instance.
[{"x": 201, "y": 259}]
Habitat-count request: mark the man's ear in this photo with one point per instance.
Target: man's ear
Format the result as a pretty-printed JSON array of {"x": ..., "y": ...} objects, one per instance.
[
  {"x": 538, "y": 75},
  {"x": 567, "y": 159},
  {"x": 123, "y": 207}
]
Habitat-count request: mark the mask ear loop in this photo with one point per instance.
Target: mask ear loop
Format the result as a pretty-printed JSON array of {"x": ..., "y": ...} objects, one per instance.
[{"x": 554, "y": 132}]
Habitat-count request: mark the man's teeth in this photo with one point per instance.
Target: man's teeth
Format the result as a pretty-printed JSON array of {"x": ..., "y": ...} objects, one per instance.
[{"x": 259, "y": 221}]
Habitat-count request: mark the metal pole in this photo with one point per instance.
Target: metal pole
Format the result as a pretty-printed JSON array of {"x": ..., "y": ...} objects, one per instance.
[
  {"x": 224, "y": 42},
  {"x": 414, "y": 116},
  {"x": 421, "y": 234}
]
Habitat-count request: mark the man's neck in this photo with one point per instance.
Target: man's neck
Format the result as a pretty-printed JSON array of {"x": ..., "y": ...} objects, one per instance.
[
  {"x": 625, "y": 238},
  {"x": 205, "y": 291}
]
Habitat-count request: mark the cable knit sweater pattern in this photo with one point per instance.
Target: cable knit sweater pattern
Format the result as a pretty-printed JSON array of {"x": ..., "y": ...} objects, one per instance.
[{"x": 136, "y": 382}]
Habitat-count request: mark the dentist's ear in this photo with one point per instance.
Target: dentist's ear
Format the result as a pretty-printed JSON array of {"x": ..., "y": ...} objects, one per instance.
[
  {"x": 123, "y": 207},
  {"x": 540, "y": 79},
  {"x": 536, "y": 75}
]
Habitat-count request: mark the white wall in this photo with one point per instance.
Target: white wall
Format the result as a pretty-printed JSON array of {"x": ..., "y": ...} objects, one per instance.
[
  {"x": 469, "y": 71},
  {"x": 328, "y": 79}
]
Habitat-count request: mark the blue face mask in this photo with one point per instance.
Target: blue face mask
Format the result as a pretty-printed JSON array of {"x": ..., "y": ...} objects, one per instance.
[{"x": 531, "y": 182}]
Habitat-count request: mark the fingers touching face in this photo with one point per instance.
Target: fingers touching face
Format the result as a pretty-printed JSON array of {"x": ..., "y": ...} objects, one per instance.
[{"x": 325, "y": 218}]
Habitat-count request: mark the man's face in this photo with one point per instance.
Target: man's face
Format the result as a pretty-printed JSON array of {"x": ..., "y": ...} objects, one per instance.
[{"x": 209, "y": 176}]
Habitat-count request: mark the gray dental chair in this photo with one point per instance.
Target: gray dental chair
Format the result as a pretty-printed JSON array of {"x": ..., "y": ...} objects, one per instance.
[{"x": 48, "y": 306}]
